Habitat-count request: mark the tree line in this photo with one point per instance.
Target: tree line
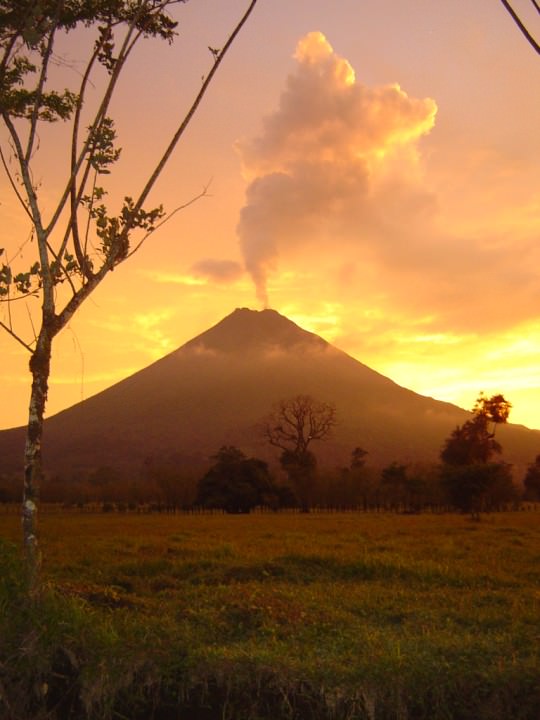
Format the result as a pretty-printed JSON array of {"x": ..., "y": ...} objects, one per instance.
[{"x": 471, "y": 475}]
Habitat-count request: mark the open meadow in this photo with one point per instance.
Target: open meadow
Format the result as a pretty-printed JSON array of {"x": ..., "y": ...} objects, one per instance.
[{"x": 309, "y": 616}]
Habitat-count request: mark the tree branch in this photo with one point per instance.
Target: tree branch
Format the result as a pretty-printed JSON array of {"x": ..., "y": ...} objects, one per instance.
[
  {"x": 16, "y": 337},
  {"x": 48, "y": 299},
  {"x": 218, "y": 58},
  {"x": 5, "y": 60},
  {"x": 286, "y": 427},
  {"x": 39, "y": 89},
  {"x": 81, "y": 294},
  {"x": 14, "y": 185},
  {"x": 73, "y": 226},
  {"x": 202, "y": 194},
  {"x": 125, "y": 50},
  {"x": 521, "y": 25},
  {"x": 98, "y": 118}
]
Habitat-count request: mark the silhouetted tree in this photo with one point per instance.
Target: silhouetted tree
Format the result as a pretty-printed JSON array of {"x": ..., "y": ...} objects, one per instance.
[
  {"x": 363, "y": 485},
  {"x": 292, "y": 426},
  {"x": 478, "y": 487},
  {"x": 470, "y": 443},
  {"x": 472, "y": 482},
  {"x": 496, "y": 409},
  {"x": 285, "y": 497},
  {"x": 473, "y": 442},
  {"x": 393, "y": 485},
  {"x": 531, "y": 482},
  {"x": 77, "y": 240},
  {"x": 166, "y": 481},
  {"x": 300, "y": 468},
  {"x": 353, "y": 486},
  {"x": 415, "y": 493},
  {"x": 236, "y": 484}
]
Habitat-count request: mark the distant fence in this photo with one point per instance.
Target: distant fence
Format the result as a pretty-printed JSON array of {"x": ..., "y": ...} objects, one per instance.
[{"x": 164, "y": 509}]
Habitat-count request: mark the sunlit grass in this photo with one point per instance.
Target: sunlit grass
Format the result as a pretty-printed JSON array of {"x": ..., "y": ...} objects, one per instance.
[{"x": 382, "y": 615}]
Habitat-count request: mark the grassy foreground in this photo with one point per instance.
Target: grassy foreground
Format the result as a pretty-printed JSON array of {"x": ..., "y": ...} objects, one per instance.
[{"x": 338, "y": 617}]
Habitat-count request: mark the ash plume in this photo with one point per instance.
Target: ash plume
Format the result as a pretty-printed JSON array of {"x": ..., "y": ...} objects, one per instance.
[{"x": 317, "y": 169}]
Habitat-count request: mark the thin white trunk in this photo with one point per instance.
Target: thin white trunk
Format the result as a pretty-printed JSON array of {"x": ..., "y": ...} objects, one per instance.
[{"x": 33, "y": 471}]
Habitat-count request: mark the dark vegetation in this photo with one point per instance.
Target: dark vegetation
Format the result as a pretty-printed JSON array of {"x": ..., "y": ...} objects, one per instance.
[
  {"x": 237, "y": 484},
  {"x": 397, "y": 487},
  {"x": 472, "y": 476},
  {"x": 472, "y": 480}
]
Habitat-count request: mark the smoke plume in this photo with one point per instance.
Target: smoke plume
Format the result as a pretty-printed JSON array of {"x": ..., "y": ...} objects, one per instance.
[{"x": 327, "y": 160}]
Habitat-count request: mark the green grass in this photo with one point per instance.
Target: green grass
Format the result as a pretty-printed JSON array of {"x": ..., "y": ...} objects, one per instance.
[{"x": 336, "y": 617}]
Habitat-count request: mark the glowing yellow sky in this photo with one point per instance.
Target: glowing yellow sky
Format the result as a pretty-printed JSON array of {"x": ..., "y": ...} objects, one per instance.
[{"x": 375, "y": 176}]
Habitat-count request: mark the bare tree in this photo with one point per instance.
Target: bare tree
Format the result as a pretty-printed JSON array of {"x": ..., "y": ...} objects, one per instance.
[
  {"x": 296, "y": 423},
  {"x": 292, "y": 426},
  {"x": 80, "y": 241}
]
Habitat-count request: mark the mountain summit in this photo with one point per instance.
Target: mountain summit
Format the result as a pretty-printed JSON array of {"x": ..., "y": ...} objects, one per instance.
[
  {"x": 215, "y": 389},
  {"x": 254, "y": 330}
]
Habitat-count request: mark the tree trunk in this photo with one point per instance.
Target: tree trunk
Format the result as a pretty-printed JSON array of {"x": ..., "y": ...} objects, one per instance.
[{"x": 33, "y": 470}]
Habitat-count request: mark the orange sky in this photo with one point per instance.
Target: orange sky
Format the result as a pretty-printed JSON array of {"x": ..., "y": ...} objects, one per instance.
[{"x": 375, "y": 176}]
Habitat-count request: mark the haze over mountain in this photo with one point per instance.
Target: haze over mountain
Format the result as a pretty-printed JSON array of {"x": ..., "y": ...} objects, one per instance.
[{"x": 216, "y": 388}]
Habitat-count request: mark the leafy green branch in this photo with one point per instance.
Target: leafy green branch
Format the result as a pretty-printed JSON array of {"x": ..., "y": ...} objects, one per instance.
[{"x": 64, "y": 254}]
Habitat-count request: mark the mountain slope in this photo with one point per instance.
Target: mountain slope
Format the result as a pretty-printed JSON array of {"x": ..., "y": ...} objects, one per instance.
[{"x": 216, "y": 388}]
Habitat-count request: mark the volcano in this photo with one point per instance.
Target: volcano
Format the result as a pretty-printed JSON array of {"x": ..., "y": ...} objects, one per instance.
[{"x": 215, "y": 390}]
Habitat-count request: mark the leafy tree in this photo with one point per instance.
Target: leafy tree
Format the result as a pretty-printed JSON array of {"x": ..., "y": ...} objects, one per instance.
[
  {"x": 531, "y": 481},
  {"x": 470, "y": 443},
  {"x": 496, "y": 409},
  {"x": 472, "y": 481},
  {"x": 293, "y": 426},
  {"x": 474, "y": 442},
  {"x": 80, "y": 240},
  {"x": 235, "y": 483},
  {"x": 478, "y": 487}
]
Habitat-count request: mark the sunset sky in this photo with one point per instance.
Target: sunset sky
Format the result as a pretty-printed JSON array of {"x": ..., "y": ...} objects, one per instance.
[{"x": 374, "y": 175}]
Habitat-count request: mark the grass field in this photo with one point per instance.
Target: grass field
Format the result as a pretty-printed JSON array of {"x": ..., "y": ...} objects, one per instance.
[{"x": 337, "y": 616}]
